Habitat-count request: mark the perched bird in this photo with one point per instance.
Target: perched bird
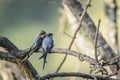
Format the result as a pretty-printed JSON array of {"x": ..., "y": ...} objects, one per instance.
[
  {"x": 47, "y": 45},
  {"x": 36, "y": 44},
  {"x": 38, "y": 41}
]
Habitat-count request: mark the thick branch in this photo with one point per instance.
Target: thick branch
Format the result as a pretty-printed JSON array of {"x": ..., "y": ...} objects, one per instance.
[
  {"x": 14, "y": 55},
  {"x": 29, "y": 70},
  {"x": 71, "y": 74},
  {"x": 4, "y": 42},
  {"x": 111, "y": 24}
]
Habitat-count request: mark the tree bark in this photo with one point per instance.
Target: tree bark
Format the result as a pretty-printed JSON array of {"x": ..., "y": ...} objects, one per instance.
[
  {"x": 111, "y": 30},
  {"x": 14, "y": 55}
]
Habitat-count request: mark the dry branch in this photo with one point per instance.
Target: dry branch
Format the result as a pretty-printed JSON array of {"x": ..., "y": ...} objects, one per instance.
[
  {"x": 71, "y": 74},
  {"x": 95, "y": 43}
]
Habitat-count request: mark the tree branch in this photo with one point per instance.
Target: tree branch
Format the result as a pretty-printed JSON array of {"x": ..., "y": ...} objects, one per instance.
[
  {"x": 28, "y": 70},
  {"x": 110, "y": 7},
  {"x": 80, "y": 56},
  {"x": 7, "y": 57},
  {"x": 15, "y": 56},
  {"x": 74, "y": 36},
  {"x": 95, "y": 43},
  {"x": 71, "y": 74},
  {"x": 4, "y": 42}
]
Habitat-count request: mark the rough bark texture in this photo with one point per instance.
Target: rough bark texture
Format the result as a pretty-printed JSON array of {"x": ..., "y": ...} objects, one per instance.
[
  {"x": 14, "y": 55},
  {"x": 111, "y": 30},
  {"x": 10, "y": 71}
]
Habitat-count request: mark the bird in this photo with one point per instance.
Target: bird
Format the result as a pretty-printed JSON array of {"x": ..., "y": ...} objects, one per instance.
[
  {"x": 47, "y": 45},
  {"x": 37, "y": 41},
  {"x": 36, "y": 44}
]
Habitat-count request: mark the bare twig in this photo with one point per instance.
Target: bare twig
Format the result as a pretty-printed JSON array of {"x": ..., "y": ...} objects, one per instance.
[
  {"x": 74, "y": 36},
  {"x": 96, "y": 38},
  {"x": 68, "y": 35},
  {"x": 71, "y": 74}
]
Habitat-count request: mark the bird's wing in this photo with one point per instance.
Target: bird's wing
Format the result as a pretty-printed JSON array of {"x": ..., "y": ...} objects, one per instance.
[{"x": 37, "y": 42}]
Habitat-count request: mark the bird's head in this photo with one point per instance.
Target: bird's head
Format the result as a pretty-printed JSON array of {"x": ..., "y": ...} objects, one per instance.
[
  {"x": 42, "y": 33},
  {"x": 50, "y": 34}
]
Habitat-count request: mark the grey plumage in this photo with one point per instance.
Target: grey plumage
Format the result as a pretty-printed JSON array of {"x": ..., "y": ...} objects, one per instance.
[
  {"x": 37, "y": 42},
  {"x": 47, "y": 45}
]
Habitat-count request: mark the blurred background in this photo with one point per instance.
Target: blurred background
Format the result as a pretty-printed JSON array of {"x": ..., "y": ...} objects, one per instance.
[{"x": 21, "y": 20}]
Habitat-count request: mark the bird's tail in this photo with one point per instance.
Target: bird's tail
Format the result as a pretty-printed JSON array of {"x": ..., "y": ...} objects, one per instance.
[
  {"x": 44, "y": 54},
  {"x": 44, "y": 62}
]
